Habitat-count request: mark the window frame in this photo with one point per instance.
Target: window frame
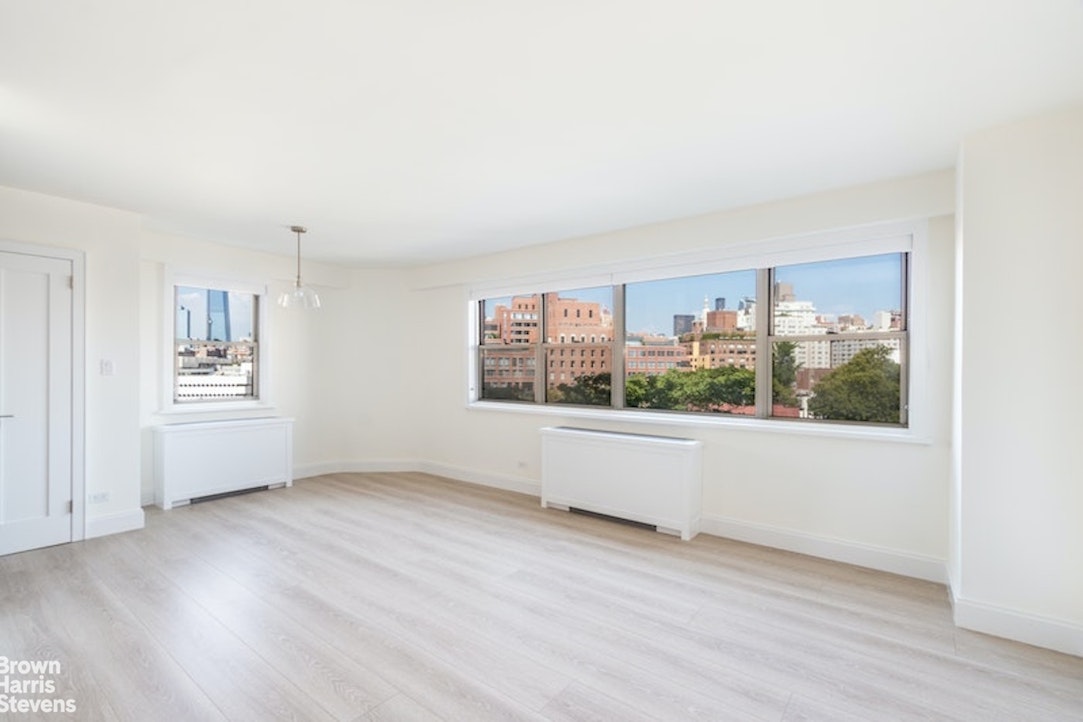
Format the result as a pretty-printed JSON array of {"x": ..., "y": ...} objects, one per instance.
[
  {"x": 908, "y": 237},
  {"x": 765, "y": 294},
  {"x": 173, "y": 280}
]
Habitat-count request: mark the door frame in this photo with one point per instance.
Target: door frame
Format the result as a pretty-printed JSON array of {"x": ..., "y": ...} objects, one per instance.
[{"x": 78, "y": 371}]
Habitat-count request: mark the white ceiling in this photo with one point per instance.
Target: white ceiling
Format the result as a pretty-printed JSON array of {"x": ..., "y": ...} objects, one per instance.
[{"x": 410, "y": 131}]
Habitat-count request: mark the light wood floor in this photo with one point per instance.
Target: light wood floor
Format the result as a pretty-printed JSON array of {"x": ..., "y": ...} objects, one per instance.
[{"x": 409, "y": 597}]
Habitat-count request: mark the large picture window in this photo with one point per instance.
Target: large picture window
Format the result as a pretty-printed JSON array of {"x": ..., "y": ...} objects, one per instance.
[
  {"x": 216, "y": 345},
  {"x": 813, "y": 341}
]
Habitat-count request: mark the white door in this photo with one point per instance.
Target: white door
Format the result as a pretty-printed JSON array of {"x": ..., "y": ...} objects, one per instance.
[{"x": 35, "y": 401}]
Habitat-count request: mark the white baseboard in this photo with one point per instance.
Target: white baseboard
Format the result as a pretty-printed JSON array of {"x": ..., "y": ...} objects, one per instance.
[
  {"x": 1021, "y": 626},
  {"x": 114, "y": 523},
  {"x": 303, "y": 471},
  {"x": 862, "y": 555},
  {"x": 470, "y": 476},
  {"x": 519, "y": 484}
]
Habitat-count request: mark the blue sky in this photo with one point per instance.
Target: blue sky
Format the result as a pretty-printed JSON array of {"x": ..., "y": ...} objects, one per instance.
[
  {"x": 854, "y": 285},
  {"x": 195, "y": 301},
  {"x": 651, "y": 305}
]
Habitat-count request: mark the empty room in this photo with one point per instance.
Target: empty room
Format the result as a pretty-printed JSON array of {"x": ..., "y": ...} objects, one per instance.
[{"x": 576, "y": 361}]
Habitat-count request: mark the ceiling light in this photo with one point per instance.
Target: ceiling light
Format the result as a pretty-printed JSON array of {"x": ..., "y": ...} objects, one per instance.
[{"x": 300, "y": 296}]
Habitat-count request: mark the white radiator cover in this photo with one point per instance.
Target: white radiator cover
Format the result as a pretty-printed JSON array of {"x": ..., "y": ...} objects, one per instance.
[
  {"x": 655, "y": 480},
  {"x": 215, "y": 457}
]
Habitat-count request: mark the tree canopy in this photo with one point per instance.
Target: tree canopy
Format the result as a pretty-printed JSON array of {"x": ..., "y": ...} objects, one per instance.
[
  {"x": 589, "y": 390},
  {"x": 784, "y": 373},
  {"x": 866, "y": 388},
  {"x": 700, "y": 390}
]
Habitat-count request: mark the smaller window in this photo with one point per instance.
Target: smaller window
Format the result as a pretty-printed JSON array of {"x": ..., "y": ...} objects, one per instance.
[{"x": 216, "y": 345}]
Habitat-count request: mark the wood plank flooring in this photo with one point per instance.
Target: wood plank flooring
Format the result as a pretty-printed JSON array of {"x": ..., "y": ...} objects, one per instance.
[{"x": 411, "y": 597}]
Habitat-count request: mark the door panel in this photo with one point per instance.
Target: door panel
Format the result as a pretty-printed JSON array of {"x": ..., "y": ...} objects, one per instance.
[{"x": 35, "y": 402}]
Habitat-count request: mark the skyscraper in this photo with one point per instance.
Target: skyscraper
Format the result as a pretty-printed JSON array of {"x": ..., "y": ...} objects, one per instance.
[
  {"x": 218, "y": 326},
  {"x": 682, "y": 323}
]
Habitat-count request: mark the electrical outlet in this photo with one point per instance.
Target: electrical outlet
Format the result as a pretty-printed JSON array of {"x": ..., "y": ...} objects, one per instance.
[{"x": 99, "y": 498}]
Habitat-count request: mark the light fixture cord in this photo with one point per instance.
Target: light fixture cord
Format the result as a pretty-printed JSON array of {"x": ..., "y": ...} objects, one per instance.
[{"x": 298, "y": 282}]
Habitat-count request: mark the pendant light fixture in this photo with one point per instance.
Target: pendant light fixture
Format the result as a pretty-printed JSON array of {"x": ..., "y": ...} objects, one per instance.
[{"x": 300, "y": 296}]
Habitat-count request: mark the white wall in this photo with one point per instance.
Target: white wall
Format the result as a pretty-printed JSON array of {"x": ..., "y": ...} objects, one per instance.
[
  {"x": 300, "y": 347},
  {"x": 110, "y": 240},
  {"x": 359, "y": 375},
  {"x": 1019, "y": 454},
  {"x": 336, "y": 371},
  {"x": 884, "y": 504},
  {"x": 315, "y": 359}
]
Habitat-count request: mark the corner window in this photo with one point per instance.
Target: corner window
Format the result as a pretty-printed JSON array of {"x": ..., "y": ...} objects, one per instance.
[{"x": 216, "y": 348}]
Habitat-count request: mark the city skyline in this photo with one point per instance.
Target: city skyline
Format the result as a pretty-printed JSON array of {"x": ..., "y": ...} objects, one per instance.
[
  {"x": 853, "y": 286},
  {"x": 191, "y": 312}
]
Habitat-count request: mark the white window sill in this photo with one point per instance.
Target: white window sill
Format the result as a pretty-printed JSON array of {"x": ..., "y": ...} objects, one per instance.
[
  {"x": 216, "y": 407},
  {"x": 709, "y": 421}
]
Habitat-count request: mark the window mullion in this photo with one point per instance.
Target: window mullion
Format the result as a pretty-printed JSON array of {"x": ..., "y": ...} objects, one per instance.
[
  {"x": 616, "y": 376},
  {"x": 480, "y": 331},
  {"x": 541, "y": 373},
  {"x": 763, "y": 343}
]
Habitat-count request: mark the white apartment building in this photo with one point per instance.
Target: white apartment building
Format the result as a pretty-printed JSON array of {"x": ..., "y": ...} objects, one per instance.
[
  {"x": 798, "y": 318},
  {"x": 843, "y": 349}
]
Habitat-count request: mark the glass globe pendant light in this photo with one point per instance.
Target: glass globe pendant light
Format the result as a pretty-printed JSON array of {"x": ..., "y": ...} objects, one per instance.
[{"x": 300, "y": 296}]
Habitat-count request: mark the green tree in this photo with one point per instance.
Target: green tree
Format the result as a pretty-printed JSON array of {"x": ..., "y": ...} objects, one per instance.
[
  {"x": 784, "y": 373},
  {"x": 662, "y": 391},
  {"x": 588, "y": 390},
  {"x": 517, "y": 393},
  {"x": 699, "y": 390},
  {"x": 866, "y": 388},
  {"x": 710, "y": 389},
  {"x": 635, "y": 390}
]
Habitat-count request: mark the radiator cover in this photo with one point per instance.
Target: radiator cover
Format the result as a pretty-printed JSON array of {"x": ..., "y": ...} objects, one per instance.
[
  {"x": 656, "y": 480},
  {"x": 215, "y": 457}
]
